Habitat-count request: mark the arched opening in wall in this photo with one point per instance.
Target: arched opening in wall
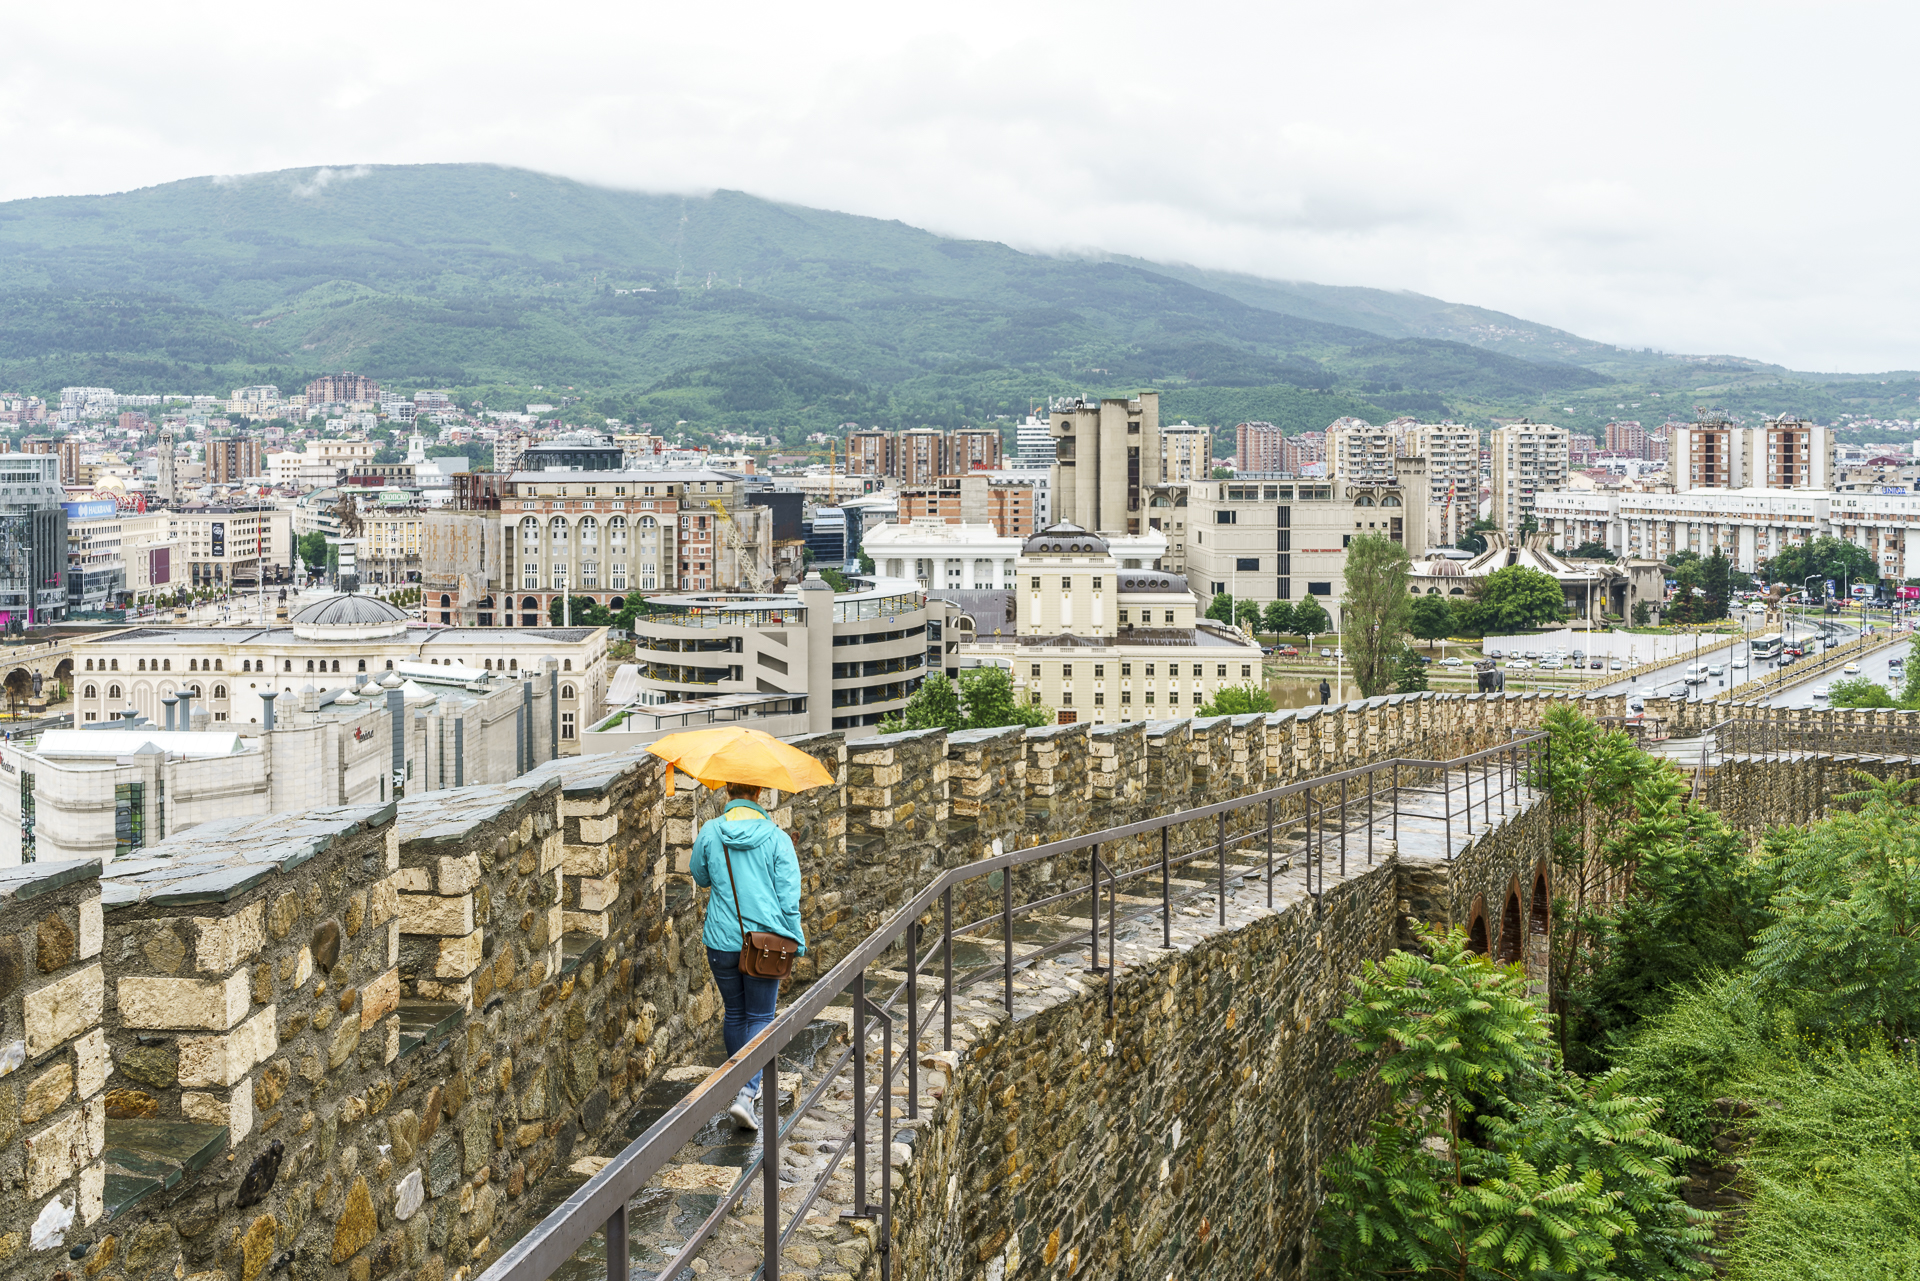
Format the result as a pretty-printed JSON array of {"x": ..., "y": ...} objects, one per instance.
[
  {"x": 1477, "y": 929},
  {"x": 1510, "y": 929},
  {"x": 1537, "y": 922}
]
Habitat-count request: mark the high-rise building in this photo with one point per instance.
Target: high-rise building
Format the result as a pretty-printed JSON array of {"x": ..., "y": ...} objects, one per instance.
[
  {"x": 1783, "y": 453},
  {"x": 1528, "y": 459},
  {"x": 70, "y": 461},
  {"x": 872, "y": 453},
  {"x": 1709, "y": 454},
  {"x": 1453, "y": 477},
  {"x": 923, "y": 456},
  {"x": 166, "y": 488},
  {"x": 1261, "y": 447},
  {"x": 1628, "y": 438},
  {"x": 1035, "y": 445},
  {"x": 1362, "y": 454},
  {"x": 1106, "y": 461},
  {"x": 1186, "y": 453},
  {"x": 343, "y": 389},
  {"x": 231, "y": 459},
  {"x": 973, "y": 449}
]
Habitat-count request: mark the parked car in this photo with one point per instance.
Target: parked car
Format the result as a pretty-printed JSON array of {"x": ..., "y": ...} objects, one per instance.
[
  {"x": 1550, "y": 665},
  {"x": 1579, "y": 655},
  {"x": 1756, "y": 608},
  {"x": 1494, "y": 653},
  {"x": 1326, "y": 653},
  {"x": 1820, "y": 691},
  {"x": 1617, "y": 665},
  {"x": 1594, "y": 664},
  {"x": 1287, "y": 651},
  {"x": 1451, "y": 660},
  {"x": 1518, "y": 664}
]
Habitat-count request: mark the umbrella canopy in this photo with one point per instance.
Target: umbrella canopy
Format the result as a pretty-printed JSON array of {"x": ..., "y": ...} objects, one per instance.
[{"x": 734, "y": 755}]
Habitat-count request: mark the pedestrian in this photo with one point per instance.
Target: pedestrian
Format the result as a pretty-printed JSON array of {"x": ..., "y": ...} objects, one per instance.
[
  {"x": 1326, "y": 693},
  {"x": 749, "y": 866}
]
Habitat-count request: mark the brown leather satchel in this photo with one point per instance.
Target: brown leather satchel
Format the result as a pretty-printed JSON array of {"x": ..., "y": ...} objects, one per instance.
[{"x": 763, "y": 954}]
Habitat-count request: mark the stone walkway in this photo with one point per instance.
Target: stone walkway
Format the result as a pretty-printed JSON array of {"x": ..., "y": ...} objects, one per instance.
[{"x": 826, "y": 1247}]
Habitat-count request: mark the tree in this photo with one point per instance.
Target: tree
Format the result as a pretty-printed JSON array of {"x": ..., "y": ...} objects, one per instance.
[
  {"x": 1642, "y": 614},
  {"x": 1518, "y": 599},
  {"x": 1475, "y": 539},
  {"x": 313, "y": 550},
  {"x": 866, "y": 563},
  {"x": 1822, "y": 558},
  {"x": 1238, "y": 700},
  {"x": 935, "y": 705},
  {"x": 1278, "y": 618},
  {"x": 1223, "y": 473},
  {"x": 991, "y": 701},
  {"x": 1220, "y": 608},
  {"x": 1246, "y": 612},
  {"x": 1591, "y": 551},
  {"x": 835, "y": 579},
  {"x": 1374, "y": 614},
  {"x": 1310, "y": 617},
  {"x": 586, "y": 611},
  {"x": 1716, "y": 573},
  {"x": 1430, "y": 619},
  {"x": 1489, "y": 1161},
  {"x": 1409, "y": 673}
]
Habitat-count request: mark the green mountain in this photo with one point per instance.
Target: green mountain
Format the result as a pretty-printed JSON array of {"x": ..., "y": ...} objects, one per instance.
[{"x": 721, "y": 310}]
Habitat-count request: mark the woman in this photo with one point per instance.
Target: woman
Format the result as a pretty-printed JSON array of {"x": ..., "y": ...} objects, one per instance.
[{"x": 766, "y": 873}]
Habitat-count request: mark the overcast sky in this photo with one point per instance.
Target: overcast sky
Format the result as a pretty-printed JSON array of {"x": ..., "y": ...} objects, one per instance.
[{"x": 1696, "y": 177}]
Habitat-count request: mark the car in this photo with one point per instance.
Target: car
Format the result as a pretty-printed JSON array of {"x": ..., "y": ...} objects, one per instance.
[
  {"x": 1616, "y": 665},
  {"x": 1715, "y": 669},
  {"x": 1451, "y": 660},
  {"x": 1851, "y": 669},
  {"x": 1579, "y": 655},
  {"x": 1896, "y": 661},
  {"x": 1287, "y": 651},
  {"x": 1829, "y": 643},
  {"x": 1820, "y": 691},
  {"x": 1494, "y": 653},
  {"x": 1792, "y": 651},
  {"x": 1739, "y": 660},
  {"x": 1326, "y": 653},
  {"x": 1518, "y": 665},
  {"x": 1549, "y": 664},
  {"x": 1636, "y": 706},
  {"x": 1787, "y": 657},
  {"x": 1756, "y": 608},
  {"x": 1594, "y": 664}
]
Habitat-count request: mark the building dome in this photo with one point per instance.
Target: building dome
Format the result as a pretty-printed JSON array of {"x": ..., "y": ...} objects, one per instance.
[
  {"x": 1441, "y": 567},
  {"x": 350, "y": 617},
  {"x": 1064, "y": 539}
]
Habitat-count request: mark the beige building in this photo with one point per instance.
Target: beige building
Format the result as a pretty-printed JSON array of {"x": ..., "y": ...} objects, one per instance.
[
  {"x": 1106, "y": 461},
  {"x": 1285, "y": 538},
  {"x": 224, "y": 547},
  {"x": 1186, "y": 453},
  {"x": 391, "y": 540},
  {"x": 1361, "y": 453},
  {"x": 1528, "y": 459},
  {"x": 1101, "y": 643}
]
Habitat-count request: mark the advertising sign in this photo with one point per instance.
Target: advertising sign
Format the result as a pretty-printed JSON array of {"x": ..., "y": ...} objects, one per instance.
[
  {"x": 220, "y": 540},
  {"x": 1909, "y": 593},
  {"x": 1861, "y": 591},
  {"x": 95, "y": 509}
]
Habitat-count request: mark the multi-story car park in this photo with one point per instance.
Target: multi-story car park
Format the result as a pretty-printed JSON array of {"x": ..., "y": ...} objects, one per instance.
[{"x": 855, "y": 657}]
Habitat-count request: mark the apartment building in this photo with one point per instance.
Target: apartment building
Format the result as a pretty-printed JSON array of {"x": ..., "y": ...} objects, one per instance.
[
  {"x": 973, "y": 449},
  {"x": 233, "y": 459},
  {"x": 1360, "y": 453},
  {"x": 1453, "y": 477},
  {"x": 1628, "y": 438},
  {"x": 1783, "y": 453},
  {"x": 872, "y": 453},
  {"x": 1186, "y": 453},
  {"x": 343, "y": 389},
  {"x": 1529, "y": 459},
  {"x": 1262, "y": 447},
  {"x": 230, "y": 545},
  {"x": 1009, "y": 502},
  {"x": 1106, "y": 461},
  {"x": 1270, "y": 538}
]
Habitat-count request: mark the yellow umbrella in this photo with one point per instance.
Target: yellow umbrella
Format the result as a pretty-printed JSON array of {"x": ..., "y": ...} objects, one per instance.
[{"x": 717, "y": 757}]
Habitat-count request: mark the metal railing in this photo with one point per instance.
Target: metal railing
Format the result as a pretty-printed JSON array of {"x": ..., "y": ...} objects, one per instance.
[
  {"x": 1743, "y": 737},
  {"x": 1495, "y": 781}
]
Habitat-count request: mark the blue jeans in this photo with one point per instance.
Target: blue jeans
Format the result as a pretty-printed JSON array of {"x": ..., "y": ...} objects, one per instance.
[{"x": 750, "y": 1003}]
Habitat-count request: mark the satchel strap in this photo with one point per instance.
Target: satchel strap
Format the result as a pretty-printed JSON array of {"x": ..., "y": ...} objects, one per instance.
[{"x": 727, "y": 854}]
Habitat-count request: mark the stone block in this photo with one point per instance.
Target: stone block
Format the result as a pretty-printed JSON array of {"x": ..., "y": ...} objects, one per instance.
[
  {"x": 233, "y": 1110},
  {"x": 586, "y": 860},
  {"x": 436, "y": 914},
  {"x": 383, "y": 901},
  {"x": 223, "y": 1060},
  {"x": 380, "y": 997},
  {"x": 223, "y": 942},
  {"x": 594, "y": 923},
  {"x": 458, "y": 874},
  {"x": 46, "y": 1092},
  {"x": 214, "y": 1005},
  {"x": 64, "y": 1009},
  {"x": 459, "y": 956},
  {"x": 597, "y": 831},
  {"x": 91, "y": 929},
  {"x": 90, "y": 1064},
  {"x": 414, "y": 880},
  {"x": 93, "y": 1192},
  {"x": 597, "y": 893}
]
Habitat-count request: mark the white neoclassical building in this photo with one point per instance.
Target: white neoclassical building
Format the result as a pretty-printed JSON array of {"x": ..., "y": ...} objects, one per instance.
[{"x": 943, "y": 557}]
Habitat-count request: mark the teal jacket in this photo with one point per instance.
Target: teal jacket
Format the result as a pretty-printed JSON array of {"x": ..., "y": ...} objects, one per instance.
[{"x": 765, "y": 869}]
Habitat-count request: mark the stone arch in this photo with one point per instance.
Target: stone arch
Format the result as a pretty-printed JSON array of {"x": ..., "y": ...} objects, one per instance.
[
  {"x": 1539, "y": 921},
  {"x": 1477, "y": 925},
  {"x": 63, "y": 670},
  {"x": 1510, "y": 935}
]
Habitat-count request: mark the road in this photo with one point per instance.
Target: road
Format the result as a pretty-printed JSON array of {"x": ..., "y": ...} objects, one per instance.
[{"x": 1724, "y": 652}]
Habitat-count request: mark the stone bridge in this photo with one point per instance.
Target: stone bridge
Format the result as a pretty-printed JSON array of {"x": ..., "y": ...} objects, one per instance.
[
  {"x": 360, "y": 1043},
  {"x": 52, "y": 661}
]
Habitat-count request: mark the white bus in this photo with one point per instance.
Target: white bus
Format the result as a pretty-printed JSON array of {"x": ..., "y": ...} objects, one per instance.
[{"x": 1764, "y": 649}]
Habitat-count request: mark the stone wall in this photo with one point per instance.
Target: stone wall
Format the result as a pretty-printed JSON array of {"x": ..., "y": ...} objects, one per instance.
[{"x": 347, "y": 1044}]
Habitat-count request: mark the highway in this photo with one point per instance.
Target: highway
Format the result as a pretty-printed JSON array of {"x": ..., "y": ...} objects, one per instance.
[{"x": 1724, "y": 652}]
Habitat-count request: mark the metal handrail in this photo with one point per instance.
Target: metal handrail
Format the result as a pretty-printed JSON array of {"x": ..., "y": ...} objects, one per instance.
[{"x": 601, "y": 1203}]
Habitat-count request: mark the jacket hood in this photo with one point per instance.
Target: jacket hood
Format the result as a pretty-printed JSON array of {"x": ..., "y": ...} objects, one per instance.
[{"x": 743, "y": 835}]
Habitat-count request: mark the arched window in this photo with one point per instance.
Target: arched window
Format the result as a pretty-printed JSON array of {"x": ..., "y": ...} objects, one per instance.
[
  {"x": 166, "y": 664},
  {"x": 617, "y": 529},
  {"x": 195, "y": 689},
  {"x": 93, "y": 691},
  {"x": 309, "y": 664},
  {"x": 530, "y": 531},
  {"x": 289, "y": 666},
  {"x": 219, "y": 664},
  {"x": 566, "y": 665},
  {"x": 566, "y": 691},
  {"x": 589, "y": 530},
  {"x": 557, "y": 529},
  {"x": 193, "y": 664},
  {"x": 1390, "y": 500},
  {"x": 489, "y": 664},
  {"x": 514, "y": 664},
  {"x": 143, "y": 664},
  {"x": 246, "y": 665},
  {"x": 219, "y": 691},
  {"x": 530, "y": 603},
  {"x": 89, "y": 664},
  {"x": 446, "y": 601},
  {"x": 114, "y": 663},
  {"x": 1364, "y": 500},
  {"x": 363, "y": 664},
  {"x": 113, "y": 691},
  {"x": 389, "y": 664},
  {"x": 336, "y": 664}
]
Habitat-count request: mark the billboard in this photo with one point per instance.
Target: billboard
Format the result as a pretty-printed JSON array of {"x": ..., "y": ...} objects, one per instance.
[
  {"x": 1861, "y": 591},
  {"x": 93, "y": 509},
  {"x": 219, "y": 538},
  {"x": 1908, "y": 593},
  {"x": 159, "y": 566}
]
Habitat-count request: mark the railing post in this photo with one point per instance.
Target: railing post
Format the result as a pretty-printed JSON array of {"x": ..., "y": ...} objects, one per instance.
[
  {"x": 1006, "y": 924},
  {"x": 1343, "y": 827},
  {"x": 1220, "y": 849},
  {"x": 1396, "y": 804},
  {"x": 1306, "y": 814},
  {"x": 619, "y": 1248},
  {"x": 859, "y": 1210},
  {"x": 1446, "y": 809},
  {"x": 946, "y": 968},
  {"x": 1093, "y": 911},
  {"x": 1166, "y": 894},
  {"x": 770, "y": 1162},
  {"x": 913, "y": 1020},
  {"x": 1372, "y": 774},
  {"x": 1113, "y": 932},
  {"x": 1269, "y": 851},
  {"x": 1466, "y": 794}
]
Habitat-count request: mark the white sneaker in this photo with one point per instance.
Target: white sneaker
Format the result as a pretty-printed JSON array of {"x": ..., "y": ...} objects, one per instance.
[{"x": 742, "y": 1110}]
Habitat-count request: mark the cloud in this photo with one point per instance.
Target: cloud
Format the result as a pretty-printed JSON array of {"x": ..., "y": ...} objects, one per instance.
[{"x": 325, "y": 177}]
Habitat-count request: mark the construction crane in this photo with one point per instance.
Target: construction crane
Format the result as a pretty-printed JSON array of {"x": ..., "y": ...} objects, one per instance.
[{"x": 740, "y": 542}]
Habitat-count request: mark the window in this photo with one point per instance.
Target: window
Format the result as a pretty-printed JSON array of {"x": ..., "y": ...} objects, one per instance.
[
  {"x": 1036, "y": 671},
  {"x": 1283, "y": 590},
  {"x": 566, "y": 691},
  {"x": 566, "y": 725},
  {"x": 1226, "y": 518},
  {"x": 1123, "y": 618},
  {"x": 1149, "y": 669},
  {"x": 363, "y": 664},
  {"x": 1320, "y": 589},
  {"x": 309, "y": 664},
  {"x": 220, "y": 691},
  {"x": 1221, "y": 672},
  {"x": 566, "y": 665},
  {"x": 1099, "y": 670},
  {"x": 1099, "y": 700},
  {"x": 1246, "y": 670},
  {"x": 1126, "y": 697},
  {"x": 93, "y": 691},
  {"x": 219, "y": 665},
  {"x": 1066, "y": 671},
  {"x": 143, "y": 665},
  {"x": 196, "y": 690},
  {"x": 1246, "y": 562},
  {"x": 1036, "y": 584},
  {"x": 1126, "y": 669},
  {"x": 113, "y": 691},
  {"x": 1066, "y": 698},
  {"x": 1169, "y": 618},
  {"x": 114, "y": 664},
  {"x": 1218, "y": 588},
  {"x": 1149, "y": 698},
  {"x": 89, "y": 664},
  {"x": 336, "y": 664},
  {"x": 1173, "y": 698}
]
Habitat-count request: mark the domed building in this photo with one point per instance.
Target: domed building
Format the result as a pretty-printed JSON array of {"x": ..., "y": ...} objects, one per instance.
[{"x": 332, "y": 642}]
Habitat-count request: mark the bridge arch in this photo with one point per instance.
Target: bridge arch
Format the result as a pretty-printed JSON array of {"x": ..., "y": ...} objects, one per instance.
[
  {"x": 1510, "y": 935},
  {"x": 1477, "y": 925}
]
